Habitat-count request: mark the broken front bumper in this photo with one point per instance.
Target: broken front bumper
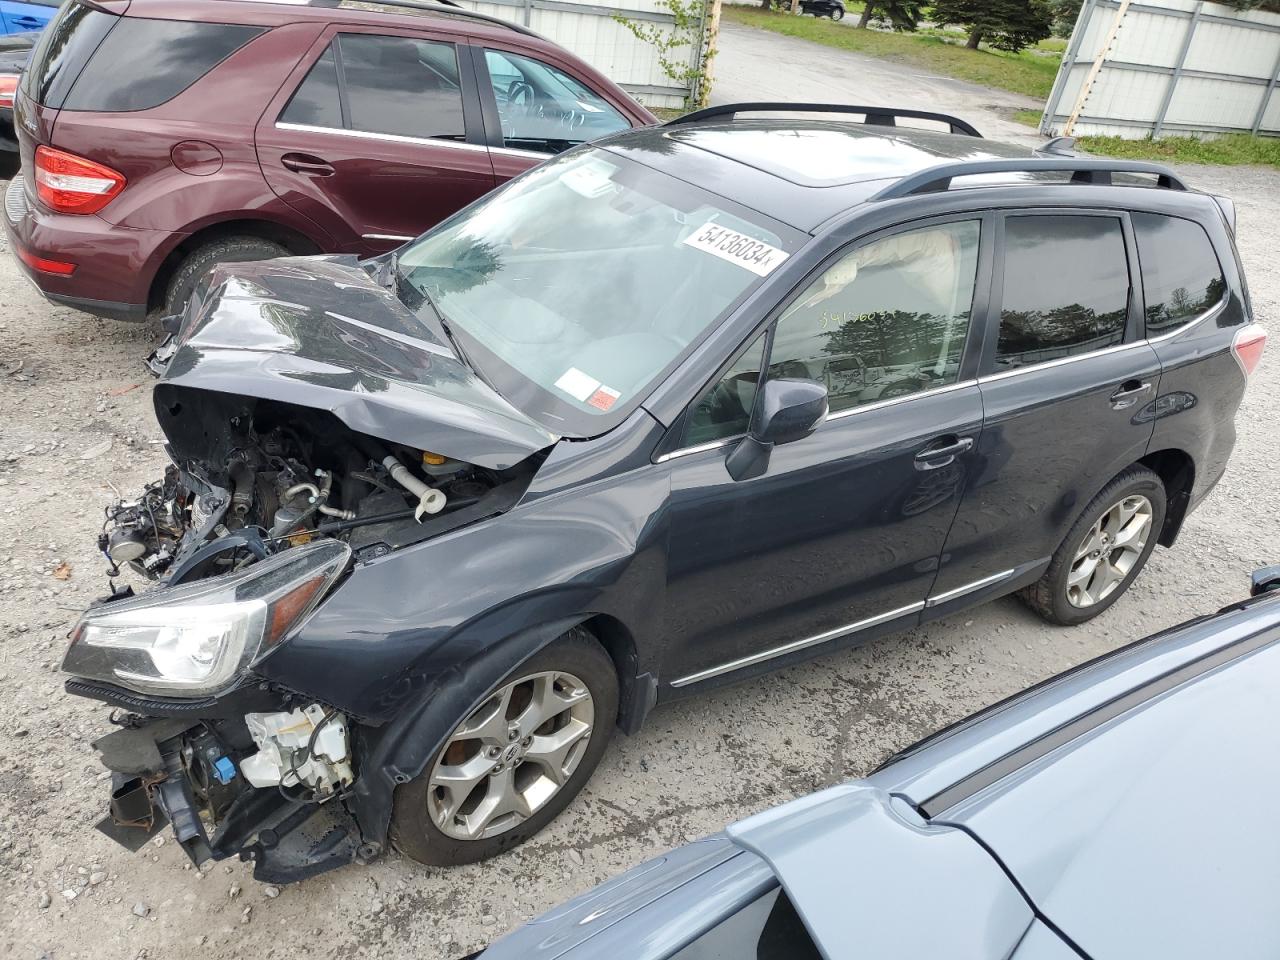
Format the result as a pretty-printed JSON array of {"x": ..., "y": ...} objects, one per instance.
[{"x": 184, "y": 772}]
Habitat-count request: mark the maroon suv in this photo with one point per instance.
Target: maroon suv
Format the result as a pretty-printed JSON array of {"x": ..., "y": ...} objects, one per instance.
[{"x": 159, "y": 137}]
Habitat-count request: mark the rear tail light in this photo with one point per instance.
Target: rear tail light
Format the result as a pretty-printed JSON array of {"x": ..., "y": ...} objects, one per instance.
[
  {"x": 1247, "y": 347},
  {"x": 8, "y": 89},
  {"x": 66, "y": 183},
  {"x": 57, "y": 267}
]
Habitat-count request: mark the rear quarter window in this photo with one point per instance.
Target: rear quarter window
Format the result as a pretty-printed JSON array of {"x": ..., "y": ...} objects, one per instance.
[
  {"x": 64, "y": 48},
  {"x": 142, "y": 63},
  {"x": 1181, "y": 276}
]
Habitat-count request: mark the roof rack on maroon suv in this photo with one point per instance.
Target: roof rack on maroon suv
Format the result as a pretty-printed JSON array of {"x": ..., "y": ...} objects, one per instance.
[
  {"x": 875, "y": 116},
  {"x": 446, "y": 7}
]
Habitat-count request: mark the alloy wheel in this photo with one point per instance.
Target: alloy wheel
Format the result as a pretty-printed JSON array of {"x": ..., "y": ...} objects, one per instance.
[
  {"x": 1109, "y": 551},
  {"x": 511, "y": 755}
]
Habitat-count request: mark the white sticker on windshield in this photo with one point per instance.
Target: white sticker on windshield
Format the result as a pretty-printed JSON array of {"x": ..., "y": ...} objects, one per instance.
[
  {"x": 756, "y": 255},
  {"x": 589, "y": 178},
  {"x": 577, "y": 384}
]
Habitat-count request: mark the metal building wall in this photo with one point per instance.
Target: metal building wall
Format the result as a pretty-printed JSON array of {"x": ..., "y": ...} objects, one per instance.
[
  {"x": 1167, "y": 67},
  {"x": 590, "y": 30}
]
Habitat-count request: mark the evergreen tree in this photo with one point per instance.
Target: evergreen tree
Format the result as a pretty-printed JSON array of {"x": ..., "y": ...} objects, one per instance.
[
  {"x": 903, "y": 14},
  {"x": 1003, "y": 24}
]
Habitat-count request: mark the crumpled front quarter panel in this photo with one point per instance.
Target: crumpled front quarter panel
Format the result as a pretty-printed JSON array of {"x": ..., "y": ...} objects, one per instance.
[{"x": 400, "y": 623}]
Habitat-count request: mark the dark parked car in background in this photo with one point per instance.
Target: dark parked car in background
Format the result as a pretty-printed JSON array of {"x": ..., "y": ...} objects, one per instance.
[
  {"x": 15, "y": 50},
  {"x": 823, "y": 8},
  {"x": 439, "y": 521},
  {"x": 335, "y": 127},
  {"x": 1096, "y": 815}
]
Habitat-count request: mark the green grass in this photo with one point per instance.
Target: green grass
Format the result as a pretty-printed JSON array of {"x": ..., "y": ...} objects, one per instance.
[
  {"x": 1231, "y": 150},
  {"x": 942, "y": 52},
  {"x": 1029, "y": 117}
]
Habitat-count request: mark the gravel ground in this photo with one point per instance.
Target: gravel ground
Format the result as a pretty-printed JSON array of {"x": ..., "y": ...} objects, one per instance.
[{"x": 77, "y": 425}]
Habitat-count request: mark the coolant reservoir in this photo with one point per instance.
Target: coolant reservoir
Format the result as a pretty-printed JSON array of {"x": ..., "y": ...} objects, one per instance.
[{"x": 283, "y": 758}]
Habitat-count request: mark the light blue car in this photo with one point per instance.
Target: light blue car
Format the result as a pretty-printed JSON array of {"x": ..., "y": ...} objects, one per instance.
[
  {"x": 1118, "y": 811},
  {"x": 16, "y": 17}
]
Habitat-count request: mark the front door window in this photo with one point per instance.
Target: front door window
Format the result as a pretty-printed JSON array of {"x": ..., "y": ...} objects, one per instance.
[
  {"x": 886, "y": 320},
  {"x": 544, "y": 109}
]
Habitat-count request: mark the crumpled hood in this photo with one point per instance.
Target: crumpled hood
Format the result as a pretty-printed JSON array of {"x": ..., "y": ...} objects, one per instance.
[{"x": 321, "y": 333}]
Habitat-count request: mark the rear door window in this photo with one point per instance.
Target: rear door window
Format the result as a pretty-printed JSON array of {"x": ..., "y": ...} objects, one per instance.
[
  {"x": 397, "y": 86},
  {"x": 1181, "y": 276},
  {"x": 141, "y": 63},
  {"x": 1066, "y": 288},
  {"x": 544, "y": 109}
]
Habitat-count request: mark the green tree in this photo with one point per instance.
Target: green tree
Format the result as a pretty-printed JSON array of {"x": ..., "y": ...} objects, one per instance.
[
  {"x": 1003, "y": 24},
  {"x": 903, "y": 14}
]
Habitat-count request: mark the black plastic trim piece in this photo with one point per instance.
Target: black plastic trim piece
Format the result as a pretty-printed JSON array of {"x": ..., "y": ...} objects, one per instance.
[
  {"x": 875, "y": 116},
  {"x": 964, "y": 789}
]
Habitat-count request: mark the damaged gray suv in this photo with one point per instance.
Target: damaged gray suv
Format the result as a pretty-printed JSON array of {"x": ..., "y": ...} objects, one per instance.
[{"x": 668, "y": 411}]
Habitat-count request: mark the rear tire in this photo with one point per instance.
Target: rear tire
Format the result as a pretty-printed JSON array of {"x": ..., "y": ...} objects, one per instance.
[
  {"x": 1104, "y": 551},
  {"x": 472, "y": 785},
  {"x": 205, "y": 257},
  {"x": 837, "y": 13}
]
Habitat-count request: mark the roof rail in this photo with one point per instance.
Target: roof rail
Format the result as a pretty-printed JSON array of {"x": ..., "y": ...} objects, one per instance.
[
  {"x": 1083, "y": 169},
  {"x": 875, "y": 116},
  {"x": 446, "y": 7}
]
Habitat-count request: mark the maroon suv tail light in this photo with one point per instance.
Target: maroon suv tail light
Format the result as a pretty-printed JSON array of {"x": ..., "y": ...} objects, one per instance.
[
  {"x": 66, "y": 183},
  {"x": 8, "y": 89},
  {"x": 1247, "y": 347}
]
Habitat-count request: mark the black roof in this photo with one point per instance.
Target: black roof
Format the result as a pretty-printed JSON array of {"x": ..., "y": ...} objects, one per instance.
[{"x": 803, "y": 172}]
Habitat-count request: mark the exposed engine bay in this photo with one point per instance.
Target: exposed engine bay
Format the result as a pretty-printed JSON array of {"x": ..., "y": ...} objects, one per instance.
[{"x": 252, "y": 477}]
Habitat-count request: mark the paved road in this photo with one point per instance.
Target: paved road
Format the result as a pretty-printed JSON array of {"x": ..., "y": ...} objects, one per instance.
[
  {"x": 697, "y": 764},
  {"x": 759, "y": 65}
]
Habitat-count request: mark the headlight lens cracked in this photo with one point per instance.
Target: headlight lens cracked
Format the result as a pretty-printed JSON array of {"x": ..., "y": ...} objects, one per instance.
[{"x": 196, "y": 640}]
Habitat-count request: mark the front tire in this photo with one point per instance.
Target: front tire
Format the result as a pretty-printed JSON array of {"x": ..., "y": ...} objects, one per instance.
[
  {"x": 515, "y": 762},
  {"x": 837, "y": 13},
  {"x": 1104, "y": 551}
]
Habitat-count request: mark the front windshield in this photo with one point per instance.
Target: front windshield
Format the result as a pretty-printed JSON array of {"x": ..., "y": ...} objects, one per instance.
[{"x": 572, "y": 289}]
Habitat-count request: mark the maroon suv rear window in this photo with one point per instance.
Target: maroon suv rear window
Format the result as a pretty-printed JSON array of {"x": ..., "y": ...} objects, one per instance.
[
  {"x": 142, "y": 63},
  {"x": 64, "y": 48}
]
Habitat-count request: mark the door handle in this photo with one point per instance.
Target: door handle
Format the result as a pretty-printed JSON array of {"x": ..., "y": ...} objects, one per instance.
[
  {"x": 933, "y": 457},
  {"x": 305, "y": 163},
  {"x": 1128, "y": 394},
  {"x": 31, "y": 22}
]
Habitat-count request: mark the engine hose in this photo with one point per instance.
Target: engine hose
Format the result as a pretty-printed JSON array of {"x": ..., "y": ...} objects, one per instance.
[{"x": 430, "y": 500}]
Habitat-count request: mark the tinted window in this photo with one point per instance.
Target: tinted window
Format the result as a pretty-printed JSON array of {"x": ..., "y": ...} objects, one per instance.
[
  {"x": 725, "y": 409},
  {"x": 888, "y": 319},
  {"x": 1066, "y": 288},
  {"x": 544, "y": 109},
  {"x": 62, "y": 51},
  {"x": 316, "y": 103},
  {"x": 143, "y": 63},
  {"x": 401, "y": 86},
  {"x": 1181, "y": 277},
  {"x": 766, "y": 929}
]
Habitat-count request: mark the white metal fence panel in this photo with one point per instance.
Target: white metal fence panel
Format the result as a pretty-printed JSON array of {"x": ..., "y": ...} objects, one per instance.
[
  {"x": 1138, "y": 69},
  {"x": 591, "y": 31}
]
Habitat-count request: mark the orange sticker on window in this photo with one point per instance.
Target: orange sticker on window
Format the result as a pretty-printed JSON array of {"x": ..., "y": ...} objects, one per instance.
[{"x": 604, "y": 398}]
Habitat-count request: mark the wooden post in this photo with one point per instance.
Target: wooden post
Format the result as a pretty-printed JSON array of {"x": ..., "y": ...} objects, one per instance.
[
  {"x": 1087, "y": 86},
  {"x": 709, "y": 53}
]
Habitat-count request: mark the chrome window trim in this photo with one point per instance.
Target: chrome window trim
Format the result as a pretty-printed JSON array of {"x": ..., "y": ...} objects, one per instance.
[
  {"x": 385, "y": 236},
  {"x": 798, "y": 644},
  {"x": 894, "y": 401},
  {"x": 1060, "y": 361},
  {"x": 700, "y": 448},
  {"x": 534, "y": 154},
  {"x": 970, "y": 587},
  {"x": 385, "y": 137},
  {"x": 1213, "y": 311}
]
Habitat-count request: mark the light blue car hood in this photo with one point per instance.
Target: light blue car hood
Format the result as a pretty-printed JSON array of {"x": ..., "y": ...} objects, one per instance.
[{"x": 870, "y": 879}]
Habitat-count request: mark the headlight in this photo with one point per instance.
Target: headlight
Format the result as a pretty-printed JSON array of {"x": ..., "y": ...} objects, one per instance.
[{"x": 195, "y": 640}]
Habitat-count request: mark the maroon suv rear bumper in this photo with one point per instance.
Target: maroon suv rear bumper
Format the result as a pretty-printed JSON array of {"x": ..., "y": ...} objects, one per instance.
[{"x": 114, "y": 265}]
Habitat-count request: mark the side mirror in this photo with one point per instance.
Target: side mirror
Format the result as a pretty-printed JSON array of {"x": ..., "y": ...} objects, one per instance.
[{"x": 788, "y": 410}]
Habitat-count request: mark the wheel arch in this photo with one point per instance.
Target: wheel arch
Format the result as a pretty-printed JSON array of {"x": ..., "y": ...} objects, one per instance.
[
  {"x": 401, "y": 750},
  {"x": 293, "y": 240},
  {"x": 1177, "y": 471}
]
